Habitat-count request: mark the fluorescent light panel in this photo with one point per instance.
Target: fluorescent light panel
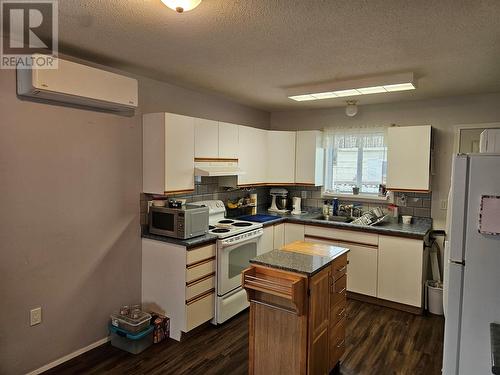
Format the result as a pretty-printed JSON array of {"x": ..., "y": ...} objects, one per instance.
[{"x": 356, "y": 91}]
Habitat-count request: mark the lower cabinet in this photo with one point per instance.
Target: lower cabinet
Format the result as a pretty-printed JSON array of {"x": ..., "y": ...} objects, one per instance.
[
  {"x": 385, "y": 267},
  {"x": 363, "y": 268},
  {"x": 179, "y": 283},
  {"x": 294, "y": 232},
  {"x": 267, "y": 240},
  {"x": 400, "y": 270},
  {"x": 279, "y": 235}
]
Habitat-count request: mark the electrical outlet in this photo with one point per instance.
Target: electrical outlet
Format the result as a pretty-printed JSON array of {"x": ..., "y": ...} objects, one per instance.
[
  {"x": 303, "y": 194},
  {"x": 35, "y": 316},
  {"x": 443, "y": 204}
]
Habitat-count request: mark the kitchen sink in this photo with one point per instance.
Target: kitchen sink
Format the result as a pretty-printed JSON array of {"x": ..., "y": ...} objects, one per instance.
[{"x": 340, "y": 219}]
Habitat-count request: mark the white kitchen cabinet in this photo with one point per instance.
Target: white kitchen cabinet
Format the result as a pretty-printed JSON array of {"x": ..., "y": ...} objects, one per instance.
[
  {"x": 309, "y": 158},
  {"x": 228, "y": 141},
  {"x": 409, "y": 158},
  {"x": 179, "y": 283},
  {"x": 206, "y": 138},
  {"x": 362, "y": 270},
  {"x": 294, "y": 232},
  {"x": 279, "y": 236},
  {"x": 168, "y": 153},
  {"x": 400, "y": 270},
  {"x": 252, "y": 155},
  {"x": 281, "y": 157},
  {"x": 267, "y": 240}
]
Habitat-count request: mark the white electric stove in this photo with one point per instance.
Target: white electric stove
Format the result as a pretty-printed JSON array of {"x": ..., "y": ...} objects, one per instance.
[{"x": 238, "y": 242}]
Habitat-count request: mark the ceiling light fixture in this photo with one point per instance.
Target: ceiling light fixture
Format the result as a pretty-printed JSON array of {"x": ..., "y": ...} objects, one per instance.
[
  {"x": 351, "y": 109},
  {"x": 363, "y": 86},
  {"x": 181, "y": 6}
]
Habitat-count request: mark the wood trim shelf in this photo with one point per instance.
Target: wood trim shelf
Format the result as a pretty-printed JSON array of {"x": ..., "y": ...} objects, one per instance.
[
  {"x": 216, "y": 159},
  {"x": 200, "y": 279},
  {"x": 200, "y": 262},
  {"x": 340, "y": 240},
  {"x": 178, "y": 191},
  {"x": 408, "y": 190},
  {"x": 200, "y": 296}
]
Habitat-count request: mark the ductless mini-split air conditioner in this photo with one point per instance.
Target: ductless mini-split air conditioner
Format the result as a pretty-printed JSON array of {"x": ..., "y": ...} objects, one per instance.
[{"x": 79, "y": 85}]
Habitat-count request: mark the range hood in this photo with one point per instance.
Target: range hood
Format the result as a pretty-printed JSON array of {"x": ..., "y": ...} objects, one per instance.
[{"x": 217, "y": 168}]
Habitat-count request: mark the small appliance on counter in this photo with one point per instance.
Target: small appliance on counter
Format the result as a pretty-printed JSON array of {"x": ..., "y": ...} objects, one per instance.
[
  {"x": 185, "y": 222},
  {"x": 297, "y": 210},
  {"x": 279, "y": 200}
]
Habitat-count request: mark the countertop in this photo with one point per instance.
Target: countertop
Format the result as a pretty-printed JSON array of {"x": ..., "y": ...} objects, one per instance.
[
  {"x": 301, "y": 257},
  {"x": 189, "y": 243},
  {"x": 418, "y": 229}
]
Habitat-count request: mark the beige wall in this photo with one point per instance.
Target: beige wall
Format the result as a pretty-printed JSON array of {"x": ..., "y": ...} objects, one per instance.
[
  {"x": 69, "y": 216},
  {"x": 442, "y": 114}
]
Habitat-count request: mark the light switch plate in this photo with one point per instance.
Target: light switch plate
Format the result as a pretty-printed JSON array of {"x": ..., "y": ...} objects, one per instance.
[
  {"x": 35, "y": 316},
  {"x": 443, "y": 204}
]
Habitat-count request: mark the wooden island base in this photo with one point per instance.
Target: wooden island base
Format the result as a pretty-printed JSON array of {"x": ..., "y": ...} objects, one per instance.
[{"x": 297, "y": 321}]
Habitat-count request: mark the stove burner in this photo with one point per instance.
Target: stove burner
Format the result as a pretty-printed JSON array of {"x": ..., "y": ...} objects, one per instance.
[
  {"x": 242, "y": 224},
  {"x": 226, "y": 221},
  {"x": 211, "y": 227},
  {"x": 220, "y": 230}
]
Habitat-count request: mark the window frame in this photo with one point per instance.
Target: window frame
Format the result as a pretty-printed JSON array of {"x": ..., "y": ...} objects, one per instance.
[{"x": 328, "y": 182}]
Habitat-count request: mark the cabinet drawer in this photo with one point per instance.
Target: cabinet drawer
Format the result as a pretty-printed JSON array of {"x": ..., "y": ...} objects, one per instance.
[
  {"x": 339, "y": 267},
  {"x": 199, "y": 287},
  {"x": 200, "y": 270},
  {"x": 339, "y": 291},
  {"x": 338, "y": 312},
  {"x": 337, "y": 341},
  {"x": 342, "y": 235},
  {"x": 199, "y": 254},
  {"x": 200, "y": 310}
]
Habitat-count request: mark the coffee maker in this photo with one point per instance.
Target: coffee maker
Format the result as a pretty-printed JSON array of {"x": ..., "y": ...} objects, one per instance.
[{"x": 279, "y": 200}]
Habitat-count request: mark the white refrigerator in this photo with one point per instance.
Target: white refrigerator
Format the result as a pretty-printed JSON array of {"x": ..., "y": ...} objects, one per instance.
[{"x": 472, "y": 264}]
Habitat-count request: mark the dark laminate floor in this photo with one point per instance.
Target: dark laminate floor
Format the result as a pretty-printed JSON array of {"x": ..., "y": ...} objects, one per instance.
[{"x": 379, "y": 341}]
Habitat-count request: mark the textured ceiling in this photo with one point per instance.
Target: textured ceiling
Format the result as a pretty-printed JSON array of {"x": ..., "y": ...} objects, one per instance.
[{"x": 251, "y": 50}]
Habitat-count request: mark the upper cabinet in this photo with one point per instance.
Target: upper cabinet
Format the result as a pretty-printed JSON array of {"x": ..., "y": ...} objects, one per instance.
[
  {"x": 206, "y": 138},
  {"x": 228, "y": 141},
  {"x": 281, "y": 157},
  {"x": 252, "y": 155},
  {"x": 309, "y": 158},
  {"x": 168, "y": 153},
  {"x": 408, "y": 158},
  {"x": 215, "y": 140}
]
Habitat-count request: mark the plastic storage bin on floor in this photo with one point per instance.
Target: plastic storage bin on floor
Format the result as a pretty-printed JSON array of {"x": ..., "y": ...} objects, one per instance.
[
  {"x": 129, "y": 324},
  {"x": 435, "y": 297},
  {"x": 131, "y": 342}
]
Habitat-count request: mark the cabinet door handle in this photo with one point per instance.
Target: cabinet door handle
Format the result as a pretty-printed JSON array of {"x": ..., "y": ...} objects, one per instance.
[
  {"x": 341, "y": 269},
  {"x": 341, "y": 344},
  {"x": 342, "y": 291},
  {"x": 341, "y": 313}
]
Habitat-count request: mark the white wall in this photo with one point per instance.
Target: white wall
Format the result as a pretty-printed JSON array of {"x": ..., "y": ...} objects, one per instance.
[{"x": 443, "y": 114}]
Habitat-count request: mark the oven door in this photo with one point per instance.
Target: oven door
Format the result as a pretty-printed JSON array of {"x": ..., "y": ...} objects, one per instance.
[
  {"x": 163, "y": 222},
  {"x": 232, "y": 259}
]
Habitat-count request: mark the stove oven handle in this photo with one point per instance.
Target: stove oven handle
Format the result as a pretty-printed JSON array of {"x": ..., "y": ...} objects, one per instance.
[{"x": 228, "y": 242}]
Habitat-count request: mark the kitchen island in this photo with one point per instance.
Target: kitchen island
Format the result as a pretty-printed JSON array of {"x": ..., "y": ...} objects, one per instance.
[{"x": 297, "y": 300}]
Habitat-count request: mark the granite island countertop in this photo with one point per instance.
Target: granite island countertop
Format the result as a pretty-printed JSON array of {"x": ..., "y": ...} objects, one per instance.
[
  {"x": 308, "y": 262},
  {"x": 418, "y": 229}
]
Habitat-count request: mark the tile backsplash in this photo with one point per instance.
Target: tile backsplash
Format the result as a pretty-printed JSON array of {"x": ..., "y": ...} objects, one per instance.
[{"x": 207, "y": 188}]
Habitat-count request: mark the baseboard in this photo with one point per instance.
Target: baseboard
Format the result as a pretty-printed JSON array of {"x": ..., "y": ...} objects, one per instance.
[
  {"x": 66, "y": 358},
  {"x": 382, "y": 302}
]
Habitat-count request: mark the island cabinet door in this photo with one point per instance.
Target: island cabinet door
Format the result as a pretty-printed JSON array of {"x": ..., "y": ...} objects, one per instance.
[{"x": 319, "y": 316}]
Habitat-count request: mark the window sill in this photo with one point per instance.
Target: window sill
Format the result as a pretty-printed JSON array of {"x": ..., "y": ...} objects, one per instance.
[{"x": 357, "y": 197}]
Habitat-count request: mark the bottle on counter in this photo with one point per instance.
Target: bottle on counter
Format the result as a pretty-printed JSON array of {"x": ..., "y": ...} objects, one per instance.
[
  {"x": 325, "y": 208},
  {"x": 335, "y": 207}
]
